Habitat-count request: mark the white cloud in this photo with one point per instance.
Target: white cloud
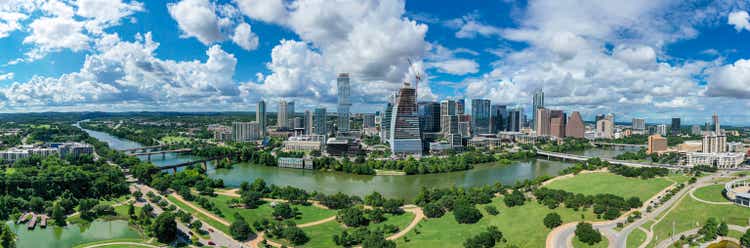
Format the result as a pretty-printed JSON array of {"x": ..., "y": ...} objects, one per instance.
[
  {"x": 732, "y": 80},
  {"x": 50, "y": 33},
  {"x": 469, "y": 27},
  {"x": 636, "y": 57},
  {"x": 9, "y": 22},
  {"x": 105, "y": 13},
  {"x": 740, "y": 20},
  {"x": 677, "y": 102},
  {"x": 197, "y": 18},
  {"x": 6, "y": 76},
  {"x": 456, "y": 66},
  {"x": 244, "y": 37},
  {"x": 271, "y": 11}
]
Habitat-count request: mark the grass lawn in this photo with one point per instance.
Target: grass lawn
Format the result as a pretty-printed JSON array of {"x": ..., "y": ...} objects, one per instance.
[
  {"x": 198, "y": 215},
  {"x": 711, "y": 193},
  {"x": 600, "y": 183},
  {"x": 522, "y": 226},
  {"x": 636, "y": 238},
  {"x": 679, "y": 178},
  {"x": 307, "y": 213},
  {"x": 141, "y": 241},
  {"x": 735, "y": 234},
  {"x": 691, "y": 214},
  {"x": 602, "y": 244},
  {"x": 175, "y": 139}
]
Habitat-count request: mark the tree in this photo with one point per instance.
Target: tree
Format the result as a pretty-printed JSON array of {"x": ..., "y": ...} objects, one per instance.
[
  {"x": 283, "y": 211},
  {"x": 393, "y": 206},
  {"x": 295, "y": 235},
  {"x": 239, "y": 229},
  {"x": 516, "y": 198},
  {"x": 486, "y": 239},
  {"x": 723, "y": 229},
  {"x": 586, "y": 233},
  {"x": 197, "y": 225},
  {"x": 7, "y": 237},
  {"x": 745, "y": 239},
  {"x": 466, "y": 213},
  {"x": 251, "y": 199},
  {"x": 432, "y": 210},
  {"x": 552, "y": 220},
  {"x": 375, "y": 199},
  {"x": 352, "y": 217},
  {"x": 58, "y": 214},
  {"x": 165, "y": 228},
  {"x": 131, "y": 210},
  {"x": 376, "y": 240},
  {"x": 491, "y": 210},
  {"x": 709, "y": 230}
]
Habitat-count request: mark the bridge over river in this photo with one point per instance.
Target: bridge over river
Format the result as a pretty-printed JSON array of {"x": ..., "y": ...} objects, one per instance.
[{"x": 581, "y": 158}]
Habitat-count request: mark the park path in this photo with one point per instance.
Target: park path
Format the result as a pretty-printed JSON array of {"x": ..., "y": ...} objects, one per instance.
[
  {"x": 123, "y": 243},
  {"x": 201, "y": 210},
  {"x": 566, "y": 176},
  {"x": 649, "y": 237},
  {"x": 315, "y": 223},
  {"x": 668, "y": 242},
  {"x": 418, "y": 217},
  {"x": 705, "y": 201}
]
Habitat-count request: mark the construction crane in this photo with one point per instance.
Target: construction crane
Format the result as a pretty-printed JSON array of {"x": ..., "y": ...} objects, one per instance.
[{"x": 417, "y": 77}]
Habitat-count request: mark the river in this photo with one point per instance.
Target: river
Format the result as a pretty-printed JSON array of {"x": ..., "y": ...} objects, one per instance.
[{"x": 405, "y": 187}]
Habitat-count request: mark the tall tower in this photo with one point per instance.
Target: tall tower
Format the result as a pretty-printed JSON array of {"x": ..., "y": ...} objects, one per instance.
[
  {"x": 319, "y": 121},
  {"x": 717, "y": 127},
  {"x": 308, "y": 122},
  {"x": 343, "y": 89},
  {"x": 480, "y": 116},
  {"x": 282, "y": 115},
  {"x": 260, "y": 117},
  {"x": 405, "y": 135},
  {"x": 538, "y": 102}
]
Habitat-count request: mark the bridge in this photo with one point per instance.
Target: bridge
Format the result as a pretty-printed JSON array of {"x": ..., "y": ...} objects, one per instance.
[
  {"x": 162, "y": 152},
  {"x": 203, "y": 162},
  {"x": 618, "y": 144},
  {"x": 581, "y": 158},
  {"x": 143, "y": 149}
]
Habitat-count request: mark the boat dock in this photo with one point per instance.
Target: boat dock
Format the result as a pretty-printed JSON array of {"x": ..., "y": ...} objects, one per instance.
[
  {"x": 24, "y": 217},
  {"x": 32, "y": 222},
  {"x": 43, "y": 223}
]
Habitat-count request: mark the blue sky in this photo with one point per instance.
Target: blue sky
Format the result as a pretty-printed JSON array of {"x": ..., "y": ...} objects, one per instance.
[{"x": 654, "y": 59}]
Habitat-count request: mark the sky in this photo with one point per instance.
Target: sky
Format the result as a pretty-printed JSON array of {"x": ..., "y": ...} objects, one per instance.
[{"x": 654, "y": 59}]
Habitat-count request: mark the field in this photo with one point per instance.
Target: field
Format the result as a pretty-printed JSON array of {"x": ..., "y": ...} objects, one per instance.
[
  {"x": 322, "y": 235},
  {"x": 307, "y": 213},
  {"x": 601, "y": 183},
  {"x": 175, "y": 139},
  {"x": 691, "y": 214},
  {"x": 711, "y": 193},
  {"x": 636, "y": 238},
  {"x": 522, "y": 226},
  {"x": 198, "y": 215}
]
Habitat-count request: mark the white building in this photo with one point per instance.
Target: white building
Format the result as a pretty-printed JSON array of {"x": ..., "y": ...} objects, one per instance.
[
  {"x": 245, "y": 131},
  {"x": 727, "y": 160},
  {"x": 304, "y": 143},
  {"x": 661, "y": 129},
  {"x": 295, "y": 163}
]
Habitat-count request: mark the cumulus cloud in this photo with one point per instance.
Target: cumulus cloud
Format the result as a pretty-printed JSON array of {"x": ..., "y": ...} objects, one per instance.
[
  {"x": 105, "y": 13},
  {"x": 50, "y": 33},
  {"x": 469, "y": 27},
  {"x": 740, "y": 20},
  {"x": 9, "y": 22},
  {"x": 271, "y": 11},
  {"x": 456, "y": 66},
  {"x": 211, "y": 23},
  {"x": 6, "y": 76},
  {"x": 732, "y": 80},
  {"x": 128, "y": 73}
]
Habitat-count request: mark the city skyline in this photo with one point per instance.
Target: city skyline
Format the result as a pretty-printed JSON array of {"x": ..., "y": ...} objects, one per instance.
[{"x": 152, "y": 56}]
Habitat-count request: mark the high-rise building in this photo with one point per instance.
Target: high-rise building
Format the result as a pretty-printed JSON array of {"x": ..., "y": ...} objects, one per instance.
[
  {"x": 385, "y": 123},
  {"x": 639, "y": 124},
  {"x": 245, "y": 131},
  {"x": 309, "y": 122},
  {"x": 282, "y": 115},
  {"x": 661, "y": 129},
  {"x": 575, "y": 127},
  {"x": 260, "y": 117},
  {"x": 695, "y": 130},
  {"x": 515, "y": 119},
  {"x": 498, "y": 118},
  {"x": 480, "y": 116},
  {"x": 447, "y": 109},
  {"x": 717, "y": 126},
  {"x": 557, "y": 122},
  {"x": 429, "y": 117},
  {"x": 675, "y": 128},
  {"x": 605, "y": 128},
  {"x": 542, "y": 121},
  {"x": 344, "y": 89},
  {"x": 713, "y": 143},
  {"x": 599, "y": 117},
  {"x": 460, "y": 107},
  {"x": 538, "y": 102},
  {"x": 319, "y": 120},
  {"x": 368, "y": 121},
  {"x": 656, "y": 143},
  {"x": 405, "y": 137}
]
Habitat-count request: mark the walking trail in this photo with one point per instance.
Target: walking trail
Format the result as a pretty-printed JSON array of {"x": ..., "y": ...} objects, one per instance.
[
  {"x": 129, "y": 244},
  {"x": 201, "y": 210}
]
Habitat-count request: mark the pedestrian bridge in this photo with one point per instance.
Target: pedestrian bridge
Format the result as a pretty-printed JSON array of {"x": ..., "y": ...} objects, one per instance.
[{"x": 581, "y": 158}]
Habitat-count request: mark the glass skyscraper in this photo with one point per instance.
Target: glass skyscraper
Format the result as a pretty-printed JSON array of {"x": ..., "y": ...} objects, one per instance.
[
  {"x": 343, "y": 89},
  {"x": 480, "y": 116},
  {"x": 429, "y": 117},
  {"x": 319, "y": 120},
  {"x": 405, "y": 135}
]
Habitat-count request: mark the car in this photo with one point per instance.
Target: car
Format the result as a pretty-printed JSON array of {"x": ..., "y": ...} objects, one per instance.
[
  {"x": 211, "y": 243},
  {"x": 211, "y": 230}
]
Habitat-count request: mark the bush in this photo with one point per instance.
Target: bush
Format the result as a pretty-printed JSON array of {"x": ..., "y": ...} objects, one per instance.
[
  {"x": 552, "y": 220},
  {"x": 239, "y": 229},
  {"x": 485, "y": 239},
  {"x": 514, "y": 199},
  {"x": 466, "y": 213},
  {"x": 432, "y": 210},
  {"x": 586, "y": 233},
  {"x": 492, "y": 210}
]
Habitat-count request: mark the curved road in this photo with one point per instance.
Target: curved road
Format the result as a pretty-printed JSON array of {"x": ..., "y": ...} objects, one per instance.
[{"x": 123, "y": 243}]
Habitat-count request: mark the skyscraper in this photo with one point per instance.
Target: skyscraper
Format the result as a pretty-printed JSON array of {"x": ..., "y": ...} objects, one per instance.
[
  {"x": 447, "y": 109},
  {"x": 538, "y": 102},
  {"x": 282, "y": 115},
  {"x": 575, "y": 127},
  {"x": 557, "y": 120},
  {"x": 542, "y": 121},
  {"x": 717, "y": 126},
  {"x": 480, "y": 116},
  {"x": 405, "y": 135},
  {"x": 429, "y": 117},
  {"x": 639, "y": 124},
  {"x": 368, "y": 121},
  {"x": 605, "y": 128},
  {"x": 319, "y": 121},
  {"x": 308, "y": 122},
  {"x": 260, "y": 117},
  {"x": 498, "y": 118},
  {"x": 343, "y": 89},
  {"x": 385, "y": 123},
  {"x": 675, "y": 128},
  {"x": 515, "y": 119},
  {"x": 245, "y": 131}
]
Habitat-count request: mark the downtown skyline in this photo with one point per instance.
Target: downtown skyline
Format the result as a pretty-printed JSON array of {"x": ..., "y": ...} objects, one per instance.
[{"x": 652, "y": 59}]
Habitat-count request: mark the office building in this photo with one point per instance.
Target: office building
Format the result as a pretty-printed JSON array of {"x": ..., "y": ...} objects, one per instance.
[
  {"x": 345, "y": 147},
  {"x": 304, "y": 143},
  {"x": 717, "y": 127},
  {"x": 74, "y": 149},
  {"x": 460, "y": 107},
  {"x": 639, "y": 125},
  {"x": 727, "y": 160},
  {"x": 405, "y": 137},
  {"x": 675, "y": 128},
  {"x": 429, "y": 117},
  {"x": 319, "y": 122},
  {"x": 368, "y": 121},
  {"x": 282, "y": 115},
  {"x": 343, "y": 88},
  {"x": 515, "y": 119},
  {"x": 245, "y": 131},
  {"x": 661, "y": 129},
  {"x": 452, "y": 133},
  {"x": 309, "y": 123},
  {"x": 447, "y": 109},
  {"x": 713, "y": 143},
  {"x": 575, "y": 128},
  {"x": 498, "y": 118},
  {"x": 385, "y": 123},
  {"x": 295, "y": 163},
  {"x": 260, "y": 117},
  {"x": 480, "y": 116},
  {"x": 695, "y": 130},
  {"x": 538, "y": 102},
  {"x": 557, "y": 122},
  {"x": 542, "y": 121},
  {"x": 656, "y": 144},
  {"x": 605, "y": 128}
]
